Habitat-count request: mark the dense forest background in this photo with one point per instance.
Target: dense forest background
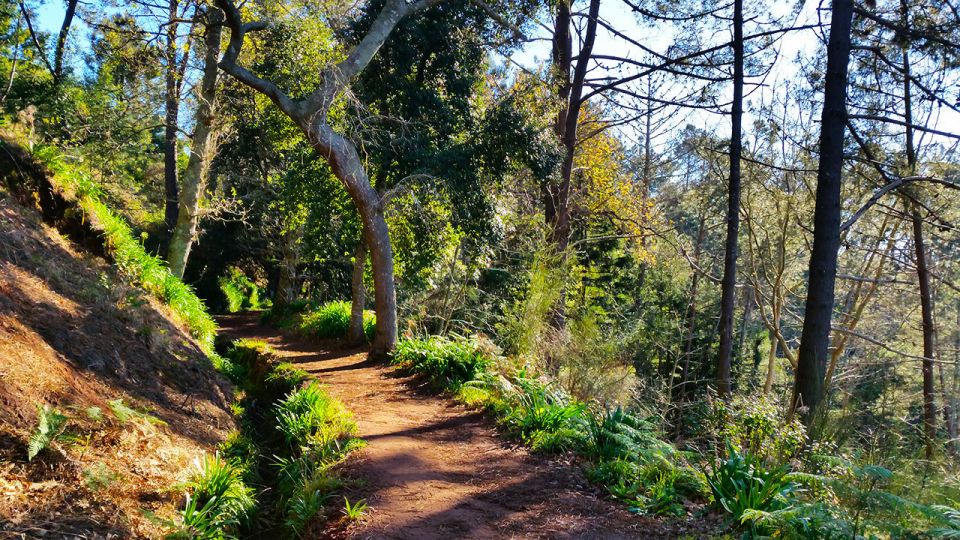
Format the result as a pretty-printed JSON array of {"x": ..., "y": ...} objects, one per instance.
[{"x": 736, "y": 221}]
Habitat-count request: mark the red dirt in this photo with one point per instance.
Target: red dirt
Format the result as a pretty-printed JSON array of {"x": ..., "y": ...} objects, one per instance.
[{"x": 433, "y": 469}]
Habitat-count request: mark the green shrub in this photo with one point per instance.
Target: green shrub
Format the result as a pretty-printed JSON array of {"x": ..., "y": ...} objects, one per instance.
[
  {"x": 544, "y": 417},
  {"x": 330, "y": 320},
  {"x": 282, "y": 379},
  {"x": 369, "y": 325},
  {"x": 617, "y": 434},
  {"x": 218, "y": 502},
  {"x": 755, "y": 425},
  {"x": 445, "y": 363},
  {"x": 242, "y": 452},
  {"x": 240, "y": 291}
]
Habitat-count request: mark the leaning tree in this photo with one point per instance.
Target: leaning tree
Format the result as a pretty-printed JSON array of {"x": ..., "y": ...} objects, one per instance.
[{"x": 311, "y": 114}]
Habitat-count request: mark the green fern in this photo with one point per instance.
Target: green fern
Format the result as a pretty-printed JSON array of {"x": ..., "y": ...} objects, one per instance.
[
  {"x": 951, "y": 520},
  {"x": 125, "y": 413},
  {"x": 50, "y": 427}
]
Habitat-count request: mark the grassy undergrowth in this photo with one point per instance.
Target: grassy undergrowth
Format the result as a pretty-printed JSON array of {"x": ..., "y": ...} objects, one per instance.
[
  {"x": 624, "y": 452},
  {"x": 241, "y": 292},
  {"x": 275, "y": 475},
  {"x": 128, "y": 254},
  {"x": 330, "y": 320},
  {"x": 749, "y": 466}
]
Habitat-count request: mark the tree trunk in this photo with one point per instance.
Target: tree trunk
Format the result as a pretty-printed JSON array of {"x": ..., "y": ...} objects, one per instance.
[
  {"x": 815, "y": 338},
  {"x": 171, "y": 121},
  {"x": 347, "y": 166},
  {"x": 728, "y": 284},
  {"x": 570, "y": 92},
  {"x": 772, "y": 354},
  {"x": 954, "y": 396},
  {"x": 202, "y": 150},
  {"x": 13, "y": 65},
  {"x": 923, "y": 272},
  {"x": 358, "y": 294},
  {"x": 692, "y": 308},
  {"x": 62, "y": 41},
  {"x": 929, "y": 333},
  {"x": 287, "y": 290}
]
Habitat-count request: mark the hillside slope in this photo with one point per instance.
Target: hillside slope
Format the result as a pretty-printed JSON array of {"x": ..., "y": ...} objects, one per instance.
[{"x": 142, "y": 400}]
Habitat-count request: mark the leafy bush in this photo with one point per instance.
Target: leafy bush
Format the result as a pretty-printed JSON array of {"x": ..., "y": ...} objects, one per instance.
[
  {"x": 617, "y": 434},
  {"x": 545, "y": 418},
  {"x": 239, "y": 290},
  {"x": 754, "y": 424},
  {"x": 50, "y": 427},
  {"x": 218, "y": 502},
  {"x": 639, "y": 468},
  {"x": 445, "y": 363},
  {"x": 330, "y": 320}
]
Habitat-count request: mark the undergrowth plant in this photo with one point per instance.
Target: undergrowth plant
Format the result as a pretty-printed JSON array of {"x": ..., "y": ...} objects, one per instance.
[
  {"x": 51, "y": 425},
  {"x": 742, "y": 482},
  {"x": 445, "y": 363},
  {"x": 239, "y": 291},
  {"x": 330, "y": 320},
  {"x": 354, "y": 511},
  {"x": 218, "y": 502},
  {"x": 292, "y": 435}
]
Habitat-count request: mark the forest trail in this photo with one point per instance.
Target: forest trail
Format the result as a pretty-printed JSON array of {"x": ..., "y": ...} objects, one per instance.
[{"x": 433, "y": 469}]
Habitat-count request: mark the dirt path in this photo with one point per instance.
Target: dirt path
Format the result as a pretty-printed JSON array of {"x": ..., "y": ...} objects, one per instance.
[{"x": 433, "y": 469}]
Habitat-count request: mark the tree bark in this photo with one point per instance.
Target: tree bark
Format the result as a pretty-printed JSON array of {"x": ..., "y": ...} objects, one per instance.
[
  {"x": 728, "y": 284},
  {"x": 815, "y": 338},
  {"x": 923, "y": 272},
  {"x": 929, "y": 333},
  {"x": 58, "y": 52},
  {"x": 570, "y": 92},
  {"x": 347, "y": 166},
  {"x": 287, "y": 290},
  {"x": 202, "y": 149},
  {"x": 358, "y": 294},
  {"x": 171, "y": 121}
]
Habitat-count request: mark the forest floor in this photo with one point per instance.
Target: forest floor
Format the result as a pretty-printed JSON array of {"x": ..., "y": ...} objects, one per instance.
[{"x": 435, "y": 469}]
